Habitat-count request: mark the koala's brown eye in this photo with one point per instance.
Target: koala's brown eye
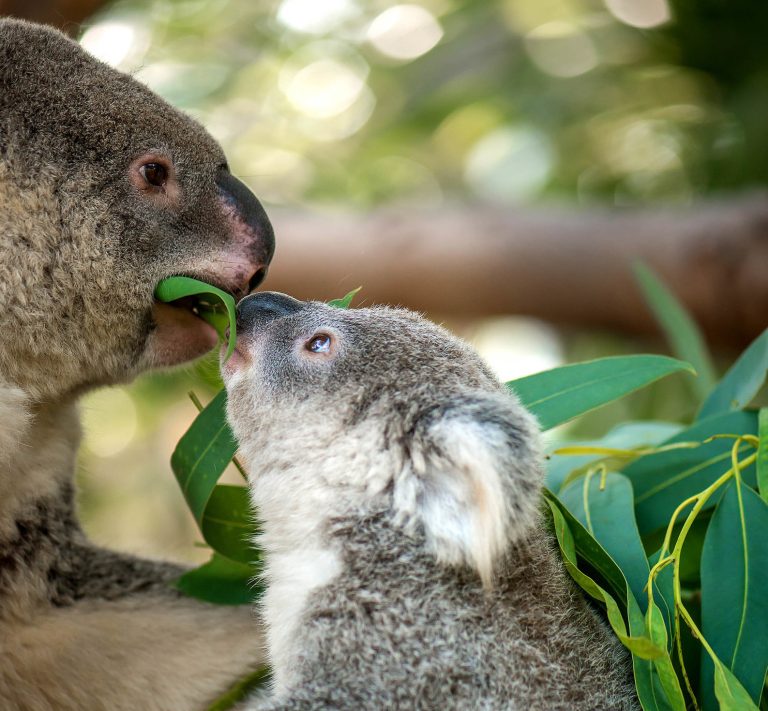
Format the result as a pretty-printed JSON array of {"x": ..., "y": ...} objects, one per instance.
[
  {"x": 319, "y": 344},
  {"x": 155, "y": 174}
]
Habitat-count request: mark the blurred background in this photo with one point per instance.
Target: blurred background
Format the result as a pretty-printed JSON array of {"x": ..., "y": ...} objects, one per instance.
[{"x": 498, "y": 164}]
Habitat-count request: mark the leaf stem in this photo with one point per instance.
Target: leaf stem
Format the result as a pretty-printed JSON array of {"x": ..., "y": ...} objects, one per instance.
[{"x": 701, "y": 499}]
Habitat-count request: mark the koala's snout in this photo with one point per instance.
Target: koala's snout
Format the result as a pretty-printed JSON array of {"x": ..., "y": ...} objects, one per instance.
[
  {"x": 259, "y": 309},
  {"x": 250, "y": 224}
]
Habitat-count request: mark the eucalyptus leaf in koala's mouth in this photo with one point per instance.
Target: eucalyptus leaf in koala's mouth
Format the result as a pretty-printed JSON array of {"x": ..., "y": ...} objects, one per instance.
[{"x": 208, "y": 302}]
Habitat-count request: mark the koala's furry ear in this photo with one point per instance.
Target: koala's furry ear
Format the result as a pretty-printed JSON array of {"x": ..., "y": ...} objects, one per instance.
[{"x": 472, "y": 479}]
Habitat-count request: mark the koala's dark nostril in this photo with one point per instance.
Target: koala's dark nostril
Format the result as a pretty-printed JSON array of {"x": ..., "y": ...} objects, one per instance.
[
  {"x": 258, "y": 309},
  {"x": 257, "y": 279}
]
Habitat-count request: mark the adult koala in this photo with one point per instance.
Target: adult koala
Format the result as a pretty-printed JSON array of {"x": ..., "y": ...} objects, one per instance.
[
  {"x": 398, "y": 487},
  {"x": 104, "y": 190}
]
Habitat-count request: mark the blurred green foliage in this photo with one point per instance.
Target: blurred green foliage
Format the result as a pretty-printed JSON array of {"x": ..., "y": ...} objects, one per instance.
[{"x": 348, "y": 101}]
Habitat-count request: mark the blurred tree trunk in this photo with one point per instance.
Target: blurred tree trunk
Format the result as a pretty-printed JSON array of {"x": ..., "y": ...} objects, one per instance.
[
  {"x": 572, "y": 267},
  {"x": 64, "y": 14}
]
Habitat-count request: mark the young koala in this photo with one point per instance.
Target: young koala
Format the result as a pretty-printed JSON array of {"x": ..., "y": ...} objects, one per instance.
[
  {"x": 105, "y": 190},
  {"x": 397, "y": 483}
]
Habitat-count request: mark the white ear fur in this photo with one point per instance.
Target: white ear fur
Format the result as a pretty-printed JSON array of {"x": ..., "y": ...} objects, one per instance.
[{"x": 473, "y": 481}]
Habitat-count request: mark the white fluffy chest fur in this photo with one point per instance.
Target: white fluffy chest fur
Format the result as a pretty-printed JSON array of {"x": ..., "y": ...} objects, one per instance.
[
  {"x": 290, "y": 578},
  {"x": 296, "y": 496}
]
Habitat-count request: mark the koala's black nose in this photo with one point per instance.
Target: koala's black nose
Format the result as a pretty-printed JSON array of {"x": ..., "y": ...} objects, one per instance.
[
  {"x": 258, "y": 309},
  {"x": 250, "y": 211}
]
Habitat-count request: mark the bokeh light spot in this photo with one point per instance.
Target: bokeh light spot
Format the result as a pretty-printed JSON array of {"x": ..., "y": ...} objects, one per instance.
[
  {"x": 325, "y": 87},
  {"x": 115, "y": 43},
  {"x": 514, "y": 346},
  {"x": 561, "y": 49},
  {"x": 110, "y": 421},
  {"x": 316, "y": 16},
  {"x": 639, "y": 13},
  {"x": 404, "y": 32},
  {"x": 510, "y": 164}
]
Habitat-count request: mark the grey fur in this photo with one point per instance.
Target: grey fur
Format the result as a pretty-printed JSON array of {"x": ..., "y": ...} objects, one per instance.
[
  {"x": 82, "y": 245},
  {"x": 380, "y": 459}
]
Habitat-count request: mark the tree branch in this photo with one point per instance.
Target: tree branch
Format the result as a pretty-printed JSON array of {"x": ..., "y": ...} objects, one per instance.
[
  {"x": 64, "y": 14},
  {"x": 571, "y": 267}
]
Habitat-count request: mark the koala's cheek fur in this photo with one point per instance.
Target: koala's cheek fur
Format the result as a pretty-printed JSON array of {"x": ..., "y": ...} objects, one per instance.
[{"x": 82, "y": 246}]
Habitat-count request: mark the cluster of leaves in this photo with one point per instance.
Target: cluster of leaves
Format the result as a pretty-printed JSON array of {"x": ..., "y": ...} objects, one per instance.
[
  {"x": 663, "y": 524},
  {"x": 666, "y": 525}
]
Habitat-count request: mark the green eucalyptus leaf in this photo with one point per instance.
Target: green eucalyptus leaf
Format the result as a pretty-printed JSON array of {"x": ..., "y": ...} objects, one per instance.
[
  {"x": 228, "y": 525},
  {"x": 762, "y": 454},
  {"x": 221, "y": 512},
  {"x": 558, "y": 395},
  {"x": 661, "y": 481},
  {"x": 604, "y": 506},
  {"x": 657, "y": 631},
  {"x": 657, "y": 687},
  {"x": 680, "y": 329},
  {"x": 648, "y": 684},
  {"x": 590, "y": 550},
  {"x": 731, "y": 695},
  {"x": 664, "y": 593},
  {"x": 219, "y": 312},
  {"x": 641, "y": 644},
  {"x": 734, "y": 608},
  {"x": 221, "y": 581},
  {"x": 203, "y": 453},
  {"x": 742, "y": 381},
  {"x": 344, "y": 301}
]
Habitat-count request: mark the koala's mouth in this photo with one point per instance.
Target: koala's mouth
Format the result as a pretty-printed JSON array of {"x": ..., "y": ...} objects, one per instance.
[{"x": 179, "y": 333}]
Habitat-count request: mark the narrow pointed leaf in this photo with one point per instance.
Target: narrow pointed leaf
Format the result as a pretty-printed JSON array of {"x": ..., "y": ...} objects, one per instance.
[
  {"x": 664, "y": 593},
  {"x": 742, "y": 381},
  {"x": 645, "y": 654},
  {"x": 640, "y": 645},
  {"x": 731, "y": 695},
  {"x": 222, "y": 512},
  {"x": 658, "y": 688},
  {"x": 663, "y": 480},
  {"x": 591, "y": 551},
  {"x": 657, "y": 630},
  {"x": 346, "y": 300},
  {"x": 680, "y": 329},
  {"x": 203, "y": 453},
  {"x": 648, "y": 684},
  {"x": 734, "y": 608},
  {"x": 223, "y": 303},
  {"x": 558, "y": 395},
  {"x": 606, "y": 510}
]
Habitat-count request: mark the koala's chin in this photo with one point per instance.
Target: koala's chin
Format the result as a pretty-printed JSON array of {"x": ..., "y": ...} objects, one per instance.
[{"x": 398, "y": 485}]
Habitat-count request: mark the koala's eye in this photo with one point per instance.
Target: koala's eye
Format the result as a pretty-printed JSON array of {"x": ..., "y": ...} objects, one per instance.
[
  {"x": 156, "y": 174},
  {"x": 321, "y": 343}
]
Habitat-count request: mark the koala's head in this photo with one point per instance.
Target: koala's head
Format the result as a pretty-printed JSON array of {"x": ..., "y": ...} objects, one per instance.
[
  {"x": 105, "y": 190},
  {"x": 346, "y": 412}
]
